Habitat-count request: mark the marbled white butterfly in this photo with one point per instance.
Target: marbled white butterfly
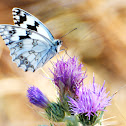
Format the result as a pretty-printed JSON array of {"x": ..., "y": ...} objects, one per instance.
[{"x": 31, "y": 44}]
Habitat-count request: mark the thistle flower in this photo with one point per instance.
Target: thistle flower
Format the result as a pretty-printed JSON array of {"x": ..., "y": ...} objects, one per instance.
[
  {"x": 36, "y": 97},
  {"x": 68, "y": 76},
  {"x": 89, "y": 102}
]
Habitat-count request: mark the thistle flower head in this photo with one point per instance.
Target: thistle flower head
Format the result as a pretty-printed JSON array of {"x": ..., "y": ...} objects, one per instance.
[
  {"x": 68, "y": 75},
  {"x": 36, "y": 97},
  {"x": 90, "y": 100}
]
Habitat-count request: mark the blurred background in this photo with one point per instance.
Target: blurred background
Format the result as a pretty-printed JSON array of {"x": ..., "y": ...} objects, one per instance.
[{"x": 99, "y": 42}]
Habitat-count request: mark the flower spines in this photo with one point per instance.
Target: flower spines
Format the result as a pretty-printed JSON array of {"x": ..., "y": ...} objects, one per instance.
[{"x": 55, "y": 112}]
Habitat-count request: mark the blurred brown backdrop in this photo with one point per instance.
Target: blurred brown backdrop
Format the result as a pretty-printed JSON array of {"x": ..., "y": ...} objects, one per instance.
[{"x": 99, "y": 42}]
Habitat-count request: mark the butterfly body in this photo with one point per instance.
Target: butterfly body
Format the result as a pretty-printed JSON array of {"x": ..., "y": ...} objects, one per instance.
[{"x": 31, "y": 44}]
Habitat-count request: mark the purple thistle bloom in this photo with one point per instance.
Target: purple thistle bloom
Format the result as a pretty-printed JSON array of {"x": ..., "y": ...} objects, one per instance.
[
  {"x": 68, "y": 75},
  {"x": 90, "y": 100},
  {"x": 36, "y": 97}
]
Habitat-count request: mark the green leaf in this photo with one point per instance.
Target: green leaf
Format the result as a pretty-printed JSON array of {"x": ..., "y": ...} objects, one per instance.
[
  {"x": 71, "y": 120},
  {"x": 98, "y": 120}
]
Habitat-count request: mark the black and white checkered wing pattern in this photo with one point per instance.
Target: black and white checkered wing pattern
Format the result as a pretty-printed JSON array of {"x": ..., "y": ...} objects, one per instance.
[
  {"x": 28, "y": 49},
  {"x": 26, "y": 20}
]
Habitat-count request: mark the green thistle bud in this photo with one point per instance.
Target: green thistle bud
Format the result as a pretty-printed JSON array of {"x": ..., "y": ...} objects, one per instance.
[
  {"x": 94, "y": 119},
  {"x": 64, "y": 102},
  {"x": 85, "y": 119},
  {"x": 55, "y": 112}
]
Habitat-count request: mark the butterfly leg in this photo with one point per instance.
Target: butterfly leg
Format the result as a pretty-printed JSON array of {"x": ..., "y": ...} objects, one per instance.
[
  {"x": 51, "y": 63},
  {"x": 65, "y": 52}
]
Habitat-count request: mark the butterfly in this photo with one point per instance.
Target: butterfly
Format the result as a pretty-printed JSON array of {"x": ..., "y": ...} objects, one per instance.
[{"x": 30, "y": 43}]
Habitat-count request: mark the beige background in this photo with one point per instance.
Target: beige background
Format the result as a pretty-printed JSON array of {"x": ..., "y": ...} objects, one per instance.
[{"x": 99, "y": 42}]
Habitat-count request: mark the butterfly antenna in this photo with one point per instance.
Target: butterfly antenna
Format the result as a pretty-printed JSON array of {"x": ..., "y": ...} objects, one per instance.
[
  {"x": 65, "y": 35},
  {"x": 68, "y": 33}
]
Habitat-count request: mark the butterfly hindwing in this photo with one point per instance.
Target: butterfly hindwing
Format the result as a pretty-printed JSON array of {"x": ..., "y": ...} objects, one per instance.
[
  {"x": 28, "y": 52},
  {"x": 30, "y": 56},
  {"x": 26, "y": 20}
]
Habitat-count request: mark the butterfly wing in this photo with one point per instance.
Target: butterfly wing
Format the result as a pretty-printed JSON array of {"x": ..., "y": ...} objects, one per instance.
[
  {"x": 28, "y": 52},
  {"x": 26, "y": 20},
  {"x": 30, "y": 56}
]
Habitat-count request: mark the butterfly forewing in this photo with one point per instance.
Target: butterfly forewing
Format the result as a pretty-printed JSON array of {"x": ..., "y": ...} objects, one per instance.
[
  {"x": 27, "y": 48},
  {"x": 28, "y": 21}
]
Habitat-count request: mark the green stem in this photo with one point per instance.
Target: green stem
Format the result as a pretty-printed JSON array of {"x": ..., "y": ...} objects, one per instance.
[{"x": 71, "y": 121}]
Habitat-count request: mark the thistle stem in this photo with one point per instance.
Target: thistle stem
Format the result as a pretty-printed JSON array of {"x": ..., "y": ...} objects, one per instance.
[{"x": 71, "y": 121}]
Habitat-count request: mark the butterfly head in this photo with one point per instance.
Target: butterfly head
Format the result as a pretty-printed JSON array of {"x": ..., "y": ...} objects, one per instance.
[{"x": 57, "y": 44}]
